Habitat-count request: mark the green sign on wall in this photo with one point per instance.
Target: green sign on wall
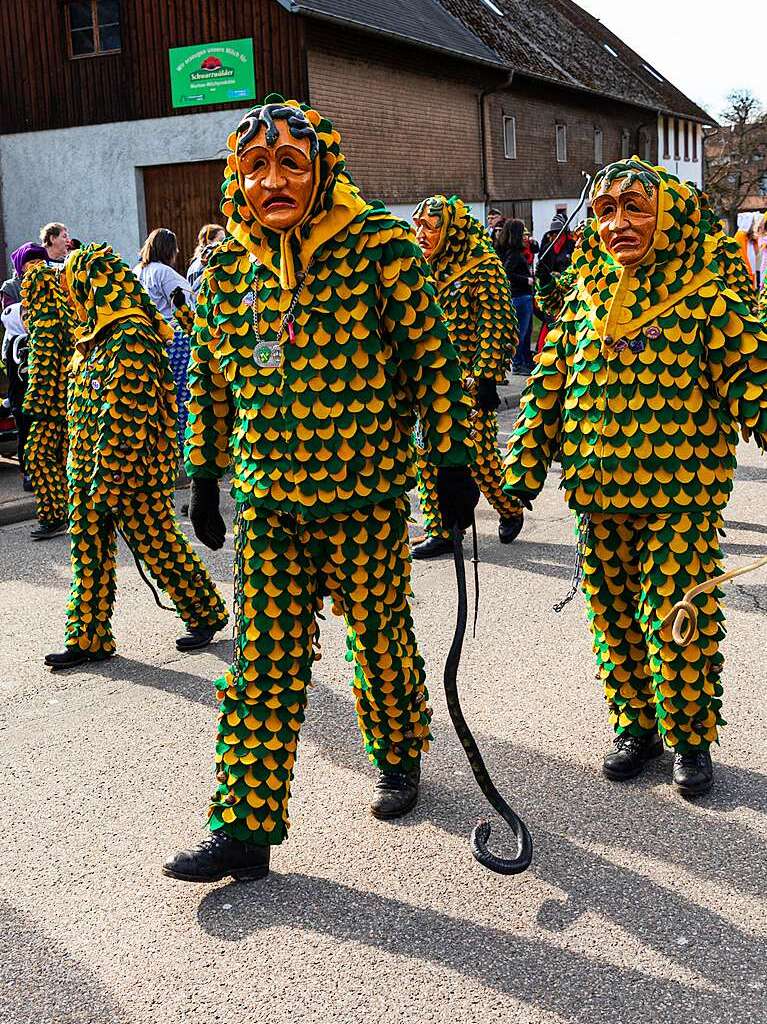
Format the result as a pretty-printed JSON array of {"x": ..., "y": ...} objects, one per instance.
[{"x": 212, "y": 73}]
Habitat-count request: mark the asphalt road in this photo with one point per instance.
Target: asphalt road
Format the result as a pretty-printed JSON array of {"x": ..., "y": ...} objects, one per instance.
[{"x": 639, "y": 907}]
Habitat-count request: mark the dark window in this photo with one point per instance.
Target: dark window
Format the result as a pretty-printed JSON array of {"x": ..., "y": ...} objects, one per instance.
[
  {"x": 677, "y": 152},
  {"x": 695, "y": 142},
  {"x": 93, "y": 27},
  {"x": 666, "y": 138},
  {"x": 646, "y": 145},
  {"x": 625, "y": 144},
  {"x": 687, "y": 140},
  {"x": 599, "y": 147}
]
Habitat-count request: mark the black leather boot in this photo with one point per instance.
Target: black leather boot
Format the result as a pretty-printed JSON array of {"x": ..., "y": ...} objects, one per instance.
[
  {"x": 196, "y": 638},
  {"x": 71, "y": 657},
  {"x": 693, "y": 773},
  {"x": 217, "y": 857},
  {"x": 509, "y": 529},
  {"x": 396, "y": 793},
  {"x": 432, "y": 547},
  {"x": 630, "y": 754},
  {"x": 46, "y": 530}
]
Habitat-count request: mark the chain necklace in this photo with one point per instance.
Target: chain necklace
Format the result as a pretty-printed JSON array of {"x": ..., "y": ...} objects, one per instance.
[{"x": 269, "y": 354}]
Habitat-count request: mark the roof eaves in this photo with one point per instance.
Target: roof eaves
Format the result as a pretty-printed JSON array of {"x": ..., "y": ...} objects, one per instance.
[{"x": 489, "y": 58}]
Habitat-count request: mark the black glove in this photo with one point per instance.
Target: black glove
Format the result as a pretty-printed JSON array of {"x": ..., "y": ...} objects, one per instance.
[
  {"x": 487, "y": 395},
  {"x": 209, "y": 527},
  {"x": 457, "y": 495},
  {"x": 525, "y": 498},
  {"x": 179, "y": 298}
]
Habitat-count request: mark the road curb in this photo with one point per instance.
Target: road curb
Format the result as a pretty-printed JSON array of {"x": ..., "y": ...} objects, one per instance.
[{"x": 17, "y": 511}]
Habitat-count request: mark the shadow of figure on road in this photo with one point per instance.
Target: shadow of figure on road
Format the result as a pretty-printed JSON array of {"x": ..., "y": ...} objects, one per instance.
[{"x": 636, "y": 821}]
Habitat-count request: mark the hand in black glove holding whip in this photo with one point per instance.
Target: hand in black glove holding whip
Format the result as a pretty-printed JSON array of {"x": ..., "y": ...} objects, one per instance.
[
  {"x": 487, "y": 395},
  {"x": 458, "y": 495},
  {"x": 207, "y": 522}
]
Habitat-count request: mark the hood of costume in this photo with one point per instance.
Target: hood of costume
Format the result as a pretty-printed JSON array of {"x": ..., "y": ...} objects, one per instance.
[
  {"x": 463, "y": 242},
  {"x": 473, "y": 290},
  {"x": 648, "y": 375},
  {"x": 316, "y": 413},
  {"x": 335, "y": 204},
  {"x": 50, "y": 326},
  {"x": 103, "y": 289}
]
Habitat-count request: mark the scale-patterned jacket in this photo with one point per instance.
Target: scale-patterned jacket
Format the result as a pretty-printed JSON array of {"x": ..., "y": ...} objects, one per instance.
[
  {"x": 51, "y": 343},
  {"x": 122, "y": 404},
  {"x": 473, "y": 291},
  {"x": 648, "y": 377},
  {"x": 329, "y": 429}
]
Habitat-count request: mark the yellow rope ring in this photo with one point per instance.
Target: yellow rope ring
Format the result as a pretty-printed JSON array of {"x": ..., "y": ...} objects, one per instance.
[{"x": 683, "y": 617}]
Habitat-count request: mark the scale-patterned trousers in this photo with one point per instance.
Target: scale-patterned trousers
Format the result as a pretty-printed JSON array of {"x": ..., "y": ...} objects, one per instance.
[
  {"x": 45, "y": 460},
  {"x": 148, "y": 524},
  {"x": 283, "y": 569},
  {"x": 487, "y": 471},
  {"x": 635, "y": 570}
]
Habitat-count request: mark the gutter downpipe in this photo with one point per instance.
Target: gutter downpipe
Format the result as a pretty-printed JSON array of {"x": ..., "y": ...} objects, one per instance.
[{"x": 481, "y": 97}]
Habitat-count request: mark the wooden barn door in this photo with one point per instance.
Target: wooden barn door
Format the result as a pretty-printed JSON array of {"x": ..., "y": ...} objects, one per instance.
[{"x": 183, "y": 197}]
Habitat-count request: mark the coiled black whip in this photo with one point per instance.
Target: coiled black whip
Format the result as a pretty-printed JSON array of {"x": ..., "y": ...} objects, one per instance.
[{"x": 481, "y": 833}]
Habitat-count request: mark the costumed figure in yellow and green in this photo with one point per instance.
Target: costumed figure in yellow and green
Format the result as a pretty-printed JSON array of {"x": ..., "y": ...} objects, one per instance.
[
  {"x": 317, "y": 343},
  {"x": 473, "y": 291},
  {"x": 122, "y": 461},
  {"x": 653, "y": 371},
  {"x": 51, "y": 344}
]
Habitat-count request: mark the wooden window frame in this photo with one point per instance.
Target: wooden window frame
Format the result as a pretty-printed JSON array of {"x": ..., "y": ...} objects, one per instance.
[
  {"x": 98, "y": 52},
  {"x": 507, "y": 155}
]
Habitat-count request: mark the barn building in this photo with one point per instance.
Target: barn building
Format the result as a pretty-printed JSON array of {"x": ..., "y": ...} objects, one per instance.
[{"x": 115, "y": 113}]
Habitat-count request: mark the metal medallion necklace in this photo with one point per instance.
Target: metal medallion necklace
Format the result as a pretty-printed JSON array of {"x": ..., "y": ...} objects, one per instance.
[{"x": 269, "y": 354}]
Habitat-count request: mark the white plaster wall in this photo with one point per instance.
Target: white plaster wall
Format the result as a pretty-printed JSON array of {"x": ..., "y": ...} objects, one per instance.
[
  {"x": 544, "y": 210},
  {"x": 88, "y": 177},
  {"x": 405, "y": 210},
  {"x": 687, "y": 170}
]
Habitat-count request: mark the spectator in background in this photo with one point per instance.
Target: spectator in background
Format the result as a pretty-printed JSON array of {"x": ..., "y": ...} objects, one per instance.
[
  {"x": 210, "y": 235},
  {"x": 14, "y": 353},
  {"x": 172, "y": 295},
  {"x": 556, "y": 253},
  {"x": 55, "y": 239},
  {"x": 495, "y": 222},
  {"x": 512, "y": 249}
]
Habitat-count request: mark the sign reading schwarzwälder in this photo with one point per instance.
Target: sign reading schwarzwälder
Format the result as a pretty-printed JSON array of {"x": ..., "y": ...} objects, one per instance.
[{"x": 212, "y": 73}]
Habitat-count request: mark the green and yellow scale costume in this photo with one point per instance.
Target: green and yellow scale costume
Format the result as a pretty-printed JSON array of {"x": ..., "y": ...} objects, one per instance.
[
  {"x": 473, "y": 291},
  {"x": 123, "y": 454},
  {"x": 320, "y": 453},
  {"x": 641, "y": 391},
  {"x": 51, "y": 345}
]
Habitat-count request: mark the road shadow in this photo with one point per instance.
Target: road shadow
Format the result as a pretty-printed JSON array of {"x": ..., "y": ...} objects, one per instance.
[
  {"x": 637, "y": 821},
  {"x": 533, "y": 971},
  {"x": 42, "y": 983}
]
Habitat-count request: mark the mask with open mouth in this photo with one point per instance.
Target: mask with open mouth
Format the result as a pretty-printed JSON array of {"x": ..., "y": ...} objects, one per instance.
[{"x": 276, "y": 158}]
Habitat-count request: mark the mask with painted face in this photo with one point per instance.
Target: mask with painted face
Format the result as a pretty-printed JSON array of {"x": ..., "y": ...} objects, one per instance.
[
  {"x": 278, "y": 176},
  {"x": 627, "y": 216}
]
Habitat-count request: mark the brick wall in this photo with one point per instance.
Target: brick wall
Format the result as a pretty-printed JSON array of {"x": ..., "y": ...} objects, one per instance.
[
  {"x": 409, "y": 120},
  {"x": 538, "y": 107}
]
